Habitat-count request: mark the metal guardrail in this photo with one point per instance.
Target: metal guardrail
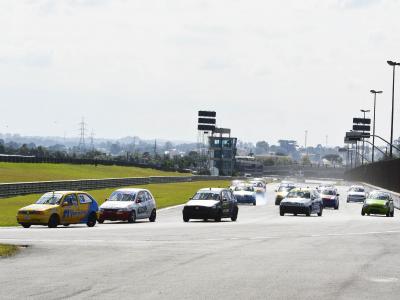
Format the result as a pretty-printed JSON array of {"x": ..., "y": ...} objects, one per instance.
[{"x": 25, "y": 188}]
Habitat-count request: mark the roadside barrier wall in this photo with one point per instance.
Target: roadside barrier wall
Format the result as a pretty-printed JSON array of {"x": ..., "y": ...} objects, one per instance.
[
  {"x": 24, "y": 188},
  {"x": 385, "y": 174}
]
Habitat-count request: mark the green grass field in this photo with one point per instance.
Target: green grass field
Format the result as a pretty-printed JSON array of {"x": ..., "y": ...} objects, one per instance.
[
  {"x": 24, "y": 172},
  {"x": 7, "y": 250},
  {"x": 166, "y": 194}
]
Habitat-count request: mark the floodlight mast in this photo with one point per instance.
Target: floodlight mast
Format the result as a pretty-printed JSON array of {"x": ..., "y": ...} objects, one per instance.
[
  {"x": 373, "y": 129},
  {"x": 392, "y": 64}
]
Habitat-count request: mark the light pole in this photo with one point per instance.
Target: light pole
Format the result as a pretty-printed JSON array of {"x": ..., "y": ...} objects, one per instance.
[
  {"x": 363, "y": 146},
  {"x": 373, "y": 130},
  {"x": 393, "y": 64}
]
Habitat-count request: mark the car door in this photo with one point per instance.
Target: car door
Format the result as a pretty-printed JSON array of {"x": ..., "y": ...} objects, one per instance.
[
  {"x": 314, "y": 201},
  {"x": 141, "y": 202},
  {"x": 70, "y": 209},
  {"x": 225, "y": 203},
  {"x": 391, "y": 204},
  {"x": 84, "y": 202},
  {"x": 149, "y": 203}
]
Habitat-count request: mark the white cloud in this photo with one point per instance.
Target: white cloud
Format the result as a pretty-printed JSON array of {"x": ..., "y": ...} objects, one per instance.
[{"x": 271, "y": 69}]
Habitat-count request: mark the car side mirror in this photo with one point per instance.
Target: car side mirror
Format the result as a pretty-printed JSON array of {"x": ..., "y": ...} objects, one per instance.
[
  {"x": 138, "y": 201},
  {"x": 65, "y": 204},
  {"x": 105, "y": 199},
  {"x": 224, "y": 199}
]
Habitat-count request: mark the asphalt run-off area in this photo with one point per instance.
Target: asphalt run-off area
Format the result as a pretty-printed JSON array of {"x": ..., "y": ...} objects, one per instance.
[{"x": 341, "y": 255}]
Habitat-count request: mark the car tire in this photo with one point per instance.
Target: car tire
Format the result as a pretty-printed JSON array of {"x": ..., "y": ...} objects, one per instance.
[
  {"x": 281, "y": 212},
  {"x": 388, "y": 214},
  {"x": 92, "y": 219},
  {"x": 319, "y": 214},
  {"x": 101, "y": 221},
  {"x": 186, "y": 219},
  {"x": 153, "y": 216},
  {"x": 66, "y": 225},
  {"x": 54, "y": 221},
  {"x": 308, "y": 212},
  {"x": 218, "y": 217},
  {"x": 254, "y": 203},
  {"x": 392, "y": 214},
  {"x": 235, "y": 214},
  {"x": 25, "y": 225},
  {"x": 132, "y": 217}
]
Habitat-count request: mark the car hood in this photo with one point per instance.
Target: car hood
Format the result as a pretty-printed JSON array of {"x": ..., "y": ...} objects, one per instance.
[
  {"x": 243, "y": 193},
  {"x": 282, "y": 194},
  {"x": 206, "y": 203},
  {"x": 296, "y": 200},
  {"x": 39, "y": 207},
  {"x": 116, "y": 204},
  {"x": 376, "y": 202}
]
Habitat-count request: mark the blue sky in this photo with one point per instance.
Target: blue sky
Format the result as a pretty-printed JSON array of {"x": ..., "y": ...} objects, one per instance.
[{"x": 271, "y": 69}]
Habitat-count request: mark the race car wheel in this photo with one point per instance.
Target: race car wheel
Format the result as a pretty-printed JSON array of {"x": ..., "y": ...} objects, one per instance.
[
  {"x": 26, "y": 225},
  {"x": 132, "y": 217},
  {"x": 320, "y": 211},
  {"x": 218, "y": 216},
  {"x": 308, "y": 213},
  {"x": 153, "y": 216},
  {"x": 54, "y": 221},
  {"x": 185, "y": 218},
  {"x": 91, "y": 220},
  {"x": 235, "y": 215}
]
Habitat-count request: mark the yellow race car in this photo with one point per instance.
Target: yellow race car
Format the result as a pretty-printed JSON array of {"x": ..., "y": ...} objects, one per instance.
[{"x": 60, "y": 208}]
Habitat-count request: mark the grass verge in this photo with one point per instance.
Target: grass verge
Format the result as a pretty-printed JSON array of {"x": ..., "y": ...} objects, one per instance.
[
  {"x": 166, "y": 194},
  {"x": 26, "y": 172},
  {"x": 7, "y": 250}
]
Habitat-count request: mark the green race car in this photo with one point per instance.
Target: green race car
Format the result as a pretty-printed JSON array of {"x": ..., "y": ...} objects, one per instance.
[{"x": 378, "y": 202}]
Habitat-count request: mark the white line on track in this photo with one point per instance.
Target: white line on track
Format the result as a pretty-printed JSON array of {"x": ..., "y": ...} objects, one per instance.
[{"x": 88, "y": 241}]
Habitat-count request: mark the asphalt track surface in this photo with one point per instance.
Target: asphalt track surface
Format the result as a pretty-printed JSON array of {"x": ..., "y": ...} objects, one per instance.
[{"x": 340, "y": 255}]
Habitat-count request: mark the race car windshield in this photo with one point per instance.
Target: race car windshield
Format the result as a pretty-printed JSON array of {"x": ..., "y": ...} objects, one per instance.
[
  {"x": 358, "y": 190},
  {"x": 118, "y": 196},
  {"x": 378, "y": 196},
  {"x": 50, "y": 198},
  {"x": 284, "y": 189},
  {"x": 299, "y": 194},
  {"x": 328, "y": 192},
  {"x": 205, "y": 196}
]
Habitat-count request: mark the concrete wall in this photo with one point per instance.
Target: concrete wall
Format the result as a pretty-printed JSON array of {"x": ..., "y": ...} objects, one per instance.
[{"x": 385, "y": 174}]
